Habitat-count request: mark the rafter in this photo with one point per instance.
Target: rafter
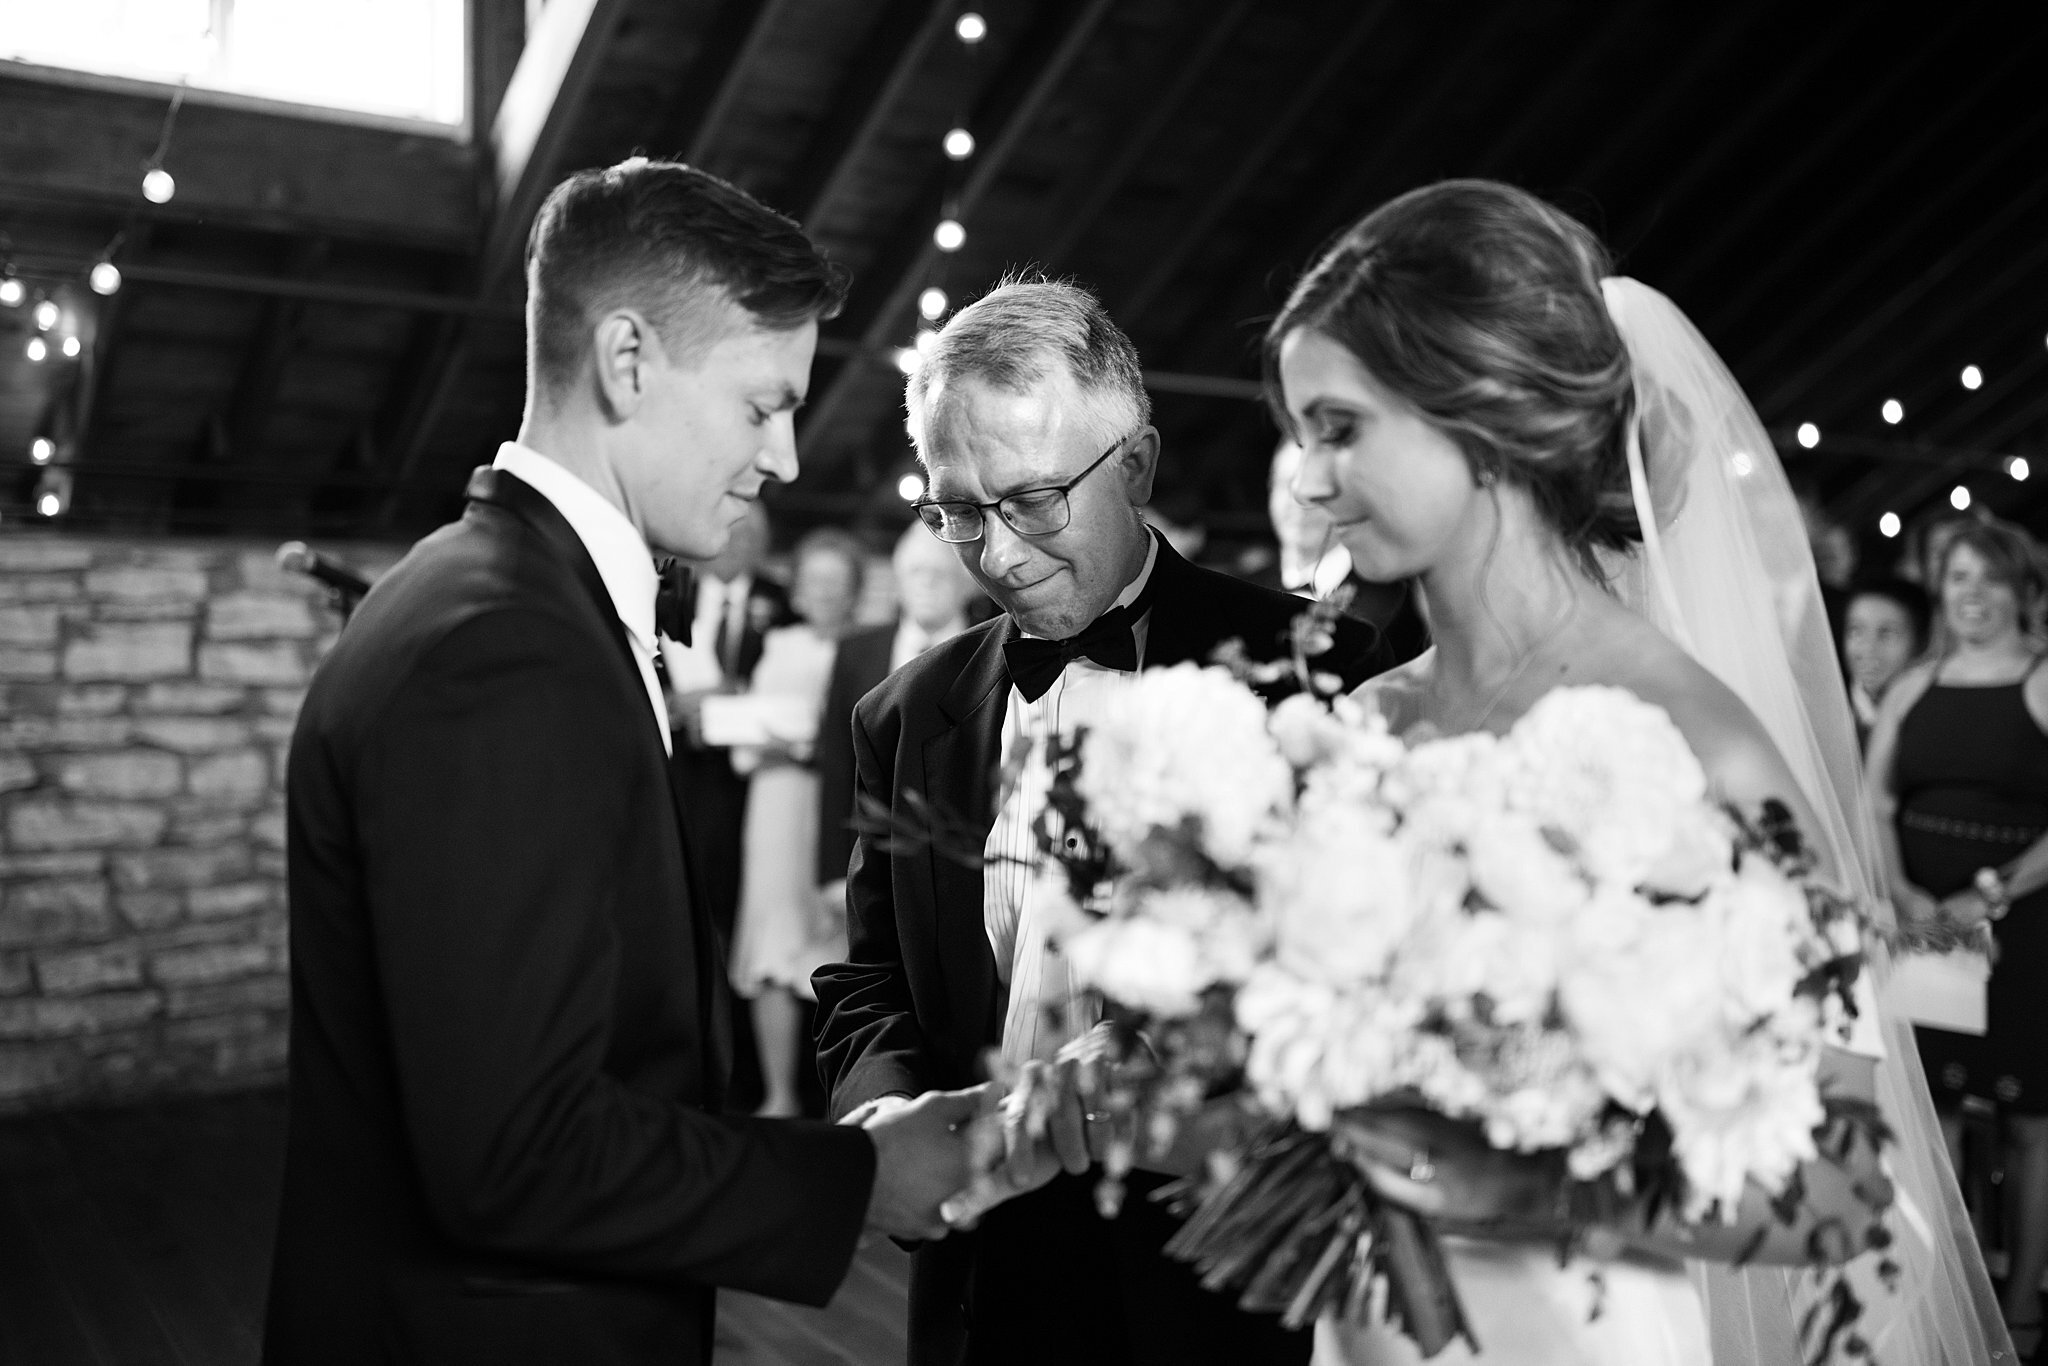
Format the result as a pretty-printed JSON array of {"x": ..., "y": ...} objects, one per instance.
[
  {"x": 709, "y": 91},
  {"x": 1215, "y": 201},
  {"x": 876, "y": 81},
  {"x": 280, "y": 325},
  {"x": 1532, "y": 117},
  {"x": 883, "y": 295}
]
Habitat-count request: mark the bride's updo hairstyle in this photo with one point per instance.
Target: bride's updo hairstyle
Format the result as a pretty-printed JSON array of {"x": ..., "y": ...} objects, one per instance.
[{"x": 1481, "y": 305}]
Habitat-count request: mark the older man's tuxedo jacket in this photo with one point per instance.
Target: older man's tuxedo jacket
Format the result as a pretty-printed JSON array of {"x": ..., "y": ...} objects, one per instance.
[
  {"x": 918, "y": 1002},
  {"x": 509, "y": 1038}
]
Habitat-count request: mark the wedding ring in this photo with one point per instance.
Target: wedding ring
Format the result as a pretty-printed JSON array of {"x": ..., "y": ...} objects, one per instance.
[{"x": 1420, "y": 1168}]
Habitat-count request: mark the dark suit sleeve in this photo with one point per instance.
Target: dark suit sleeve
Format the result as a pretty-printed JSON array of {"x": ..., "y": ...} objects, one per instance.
[
  {"x": 496, "y": 825},
  {"x": 835, "y": 767},
  {"x": 869, "y": 1040}
]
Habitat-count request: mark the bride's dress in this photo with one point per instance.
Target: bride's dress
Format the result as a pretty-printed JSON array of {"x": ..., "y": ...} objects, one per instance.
[{"x": 1527, "y": 1309}]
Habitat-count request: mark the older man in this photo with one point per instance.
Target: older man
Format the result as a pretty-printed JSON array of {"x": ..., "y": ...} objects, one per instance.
[{"x": 1033, "y": 424}]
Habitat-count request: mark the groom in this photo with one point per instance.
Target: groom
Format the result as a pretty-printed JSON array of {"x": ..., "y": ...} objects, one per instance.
[
  {"x": 1031, "y": 418},
  {"x": 508, "y": 1009}
]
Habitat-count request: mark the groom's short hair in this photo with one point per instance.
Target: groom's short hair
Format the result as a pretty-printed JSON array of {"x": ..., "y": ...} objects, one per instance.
[
  {"x": 679, "y": 244},
  {"x": 1012, "y": 336}
]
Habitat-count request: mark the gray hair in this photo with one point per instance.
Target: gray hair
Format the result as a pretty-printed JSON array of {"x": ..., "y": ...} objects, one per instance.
[{"x": 1012, "y": 336}]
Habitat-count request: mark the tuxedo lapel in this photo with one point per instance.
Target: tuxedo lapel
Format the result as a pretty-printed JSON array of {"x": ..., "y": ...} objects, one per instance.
[
  {"x": 1181, "y": 628},
  {"x": 500, "y": 489},
  {"x": 960, "y": 764}
]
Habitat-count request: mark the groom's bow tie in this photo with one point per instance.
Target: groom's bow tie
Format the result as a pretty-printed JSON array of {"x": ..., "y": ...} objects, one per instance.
[
  {"x": 675, "y": 601},
  {"x": 1034, "y": 664}
]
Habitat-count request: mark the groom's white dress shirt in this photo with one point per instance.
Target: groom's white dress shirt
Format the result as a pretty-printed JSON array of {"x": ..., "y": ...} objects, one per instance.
[
  {"x": 1044, "y": 1010},
  {"x": 616, "y": 548}
]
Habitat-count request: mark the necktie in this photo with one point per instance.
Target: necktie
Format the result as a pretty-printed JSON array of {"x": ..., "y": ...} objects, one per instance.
[{"x": 1034, "y": 664}]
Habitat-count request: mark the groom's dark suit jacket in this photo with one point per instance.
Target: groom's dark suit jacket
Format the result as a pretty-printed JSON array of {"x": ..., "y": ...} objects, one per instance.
[
  {"x": 508, "y": 1039},
  {"x": 919, "y": 1002}
]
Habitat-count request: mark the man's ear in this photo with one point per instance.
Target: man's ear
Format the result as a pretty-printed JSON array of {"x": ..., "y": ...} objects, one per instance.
[
  {"x": 621, "y": 346},
  {"x": 1139, "y": 464}
]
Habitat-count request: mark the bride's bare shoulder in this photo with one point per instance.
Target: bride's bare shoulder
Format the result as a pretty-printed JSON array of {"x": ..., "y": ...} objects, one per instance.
[
  {"x": 1740, "y": 759},
  {"x": 1398, "y": 693}
]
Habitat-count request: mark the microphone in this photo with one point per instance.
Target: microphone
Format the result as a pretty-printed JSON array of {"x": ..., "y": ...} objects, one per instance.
[{"x": 296, "y": 557}]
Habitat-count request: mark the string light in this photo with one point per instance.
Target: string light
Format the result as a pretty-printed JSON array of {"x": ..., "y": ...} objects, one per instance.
[
  {"x": 1809, "y": 435},
  {"x": 1888, "y": 525},
  {"x": 38, "y": 350},
  {"x": 12, "y": 291},
  {"x": 2018, "y": 468},
  {"x": 908, "y": 359},
  {"x": 105, "y": 277},
  {"x": 1959, "y": 498},
  {"x": 949, "y": 235},
  {"x": 910, "y": 488},
  {"x": 932, "y": 303},
  {"x": 158, "y": 185},
  {"x": 41, "y": 450},
  {"x": 1894, "y": 412},
  {"x": 46, "y": 315},
  {"x": 49, "y": 505},
  {"x": 970, "y": 28},
  {"x": 1973, "y": 378},
  {"x": 959, "y": 144},
  {"x": 71, "y": 348}
]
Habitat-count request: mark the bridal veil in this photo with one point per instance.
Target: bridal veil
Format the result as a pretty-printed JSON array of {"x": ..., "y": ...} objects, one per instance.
[{"x": 1726, "y": 571}]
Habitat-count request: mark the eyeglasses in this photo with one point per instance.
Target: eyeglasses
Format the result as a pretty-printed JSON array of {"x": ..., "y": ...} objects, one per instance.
[{"x": 1028, "y": 512}]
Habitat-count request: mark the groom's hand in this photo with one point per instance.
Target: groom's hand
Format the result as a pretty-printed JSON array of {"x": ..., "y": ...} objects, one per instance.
[{"x": 921, "y": 1158}]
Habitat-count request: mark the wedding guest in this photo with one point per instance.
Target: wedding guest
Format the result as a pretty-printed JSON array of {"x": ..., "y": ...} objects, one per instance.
[
  {"x": 1033, "y": 425},
  {"x": 736, "y": 606},
  {"x": 508, "y": 1053},
  {"x": 1959, "y": 762},
  {"x": 936, "y": 596},
  {"x": 1884, "y": 629},
  {"x": 781, "y": 939}
]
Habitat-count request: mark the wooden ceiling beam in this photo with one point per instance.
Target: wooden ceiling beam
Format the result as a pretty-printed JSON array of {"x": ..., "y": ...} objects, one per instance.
[
  {"x": 1075, "y": 213},
  {"x": 1592, "y": 57},
  {"x": 1214, "y": 201},
  {"x": 280, "y": 328},
  {"x": 875, "y": 84},
  {"x": 707, "y": 93},
  {"x": 884, "y": 293},
  {"x": 63, "y": 146},
  {"x": 542, "y": 101}
]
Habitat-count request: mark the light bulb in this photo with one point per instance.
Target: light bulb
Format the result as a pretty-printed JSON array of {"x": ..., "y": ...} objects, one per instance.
[
  {"x": 2018, "y": 468},
  {"x": 46, "y": 315},
  {"x": 932, "y": 303},
  {"x": 927, "y": 341},
  {"x": 158, "y": 186},
  {"x": 1959, "y": 498},
  {"x": 41, "y": 449},
  {"x": 949, "y": 235},
  {"x": 12, "y": 292},
  {"x": 959, "y": 144},
  {"x": 908, "y": 359},
  {"x": 49, "y": 505},
  {"x": 105, "y": 277},
  {"x": 1888, "y": 525},
  {"x": 1809, "y": 435},
  {"x": 71, "y": 348},
  {"x": 1973, "y": 378},
  {"x": 910, "y": 488},
  {"x": 38, "y": 349},
  {"x": 970, "y": 28},
  {"x": 1894, "y": 412}
]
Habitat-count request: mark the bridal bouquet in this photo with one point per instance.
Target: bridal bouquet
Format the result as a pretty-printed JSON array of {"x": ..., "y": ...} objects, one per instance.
[{"x": 1554, "y": 935}]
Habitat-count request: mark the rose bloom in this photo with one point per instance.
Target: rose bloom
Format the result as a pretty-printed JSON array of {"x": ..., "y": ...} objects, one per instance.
[
  {"x": 1342, "y": 892},
  {"x": 1740, "y": 1110},
  {"x": 1638, "y": 984},
  {"x": 1143, "y": 963},
  {"x": 1764, "y": 920}
]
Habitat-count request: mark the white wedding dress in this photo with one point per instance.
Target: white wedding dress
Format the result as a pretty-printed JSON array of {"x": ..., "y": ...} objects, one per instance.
[{"x": 1726, "y": 572}]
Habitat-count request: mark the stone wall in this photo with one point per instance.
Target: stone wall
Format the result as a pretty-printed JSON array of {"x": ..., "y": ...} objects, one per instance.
[{"x": 147, "y": 695}]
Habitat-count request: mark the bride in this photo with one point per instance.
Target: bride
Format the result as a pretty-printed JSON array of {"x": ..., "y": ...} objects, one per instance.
[{"x": 1581, "y": 495}]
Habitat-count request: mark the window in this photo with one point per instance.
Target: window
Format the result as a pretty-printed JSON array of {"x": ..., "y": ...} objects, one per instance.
[{"x": 397, "y": 58}]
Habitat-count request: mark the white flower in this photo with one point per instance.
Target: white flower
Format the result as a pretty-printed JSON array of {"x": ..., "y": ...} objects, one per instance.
[
  {"x": 1611, "y": 772},
  {"x": 1307, "y": 732},
  {"x": 1343, "y": 891},
  {"x": 1638, "y": 983},
  {"x": 1740, "y": 1110},
  {"x": 1764, "y": 920},
  {"x": 1316, "y": 1050},
  {"x": 1143, "y": 963},
  {"x": 1231, "y": 935},
  {"x": 1184, "y": 744},
  {"x": 1518, "y": 871}
]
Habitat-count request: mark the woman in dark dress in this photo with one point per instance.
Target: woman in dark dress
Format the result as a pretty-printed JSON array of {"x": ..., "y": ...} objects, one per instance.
[{"x": 1960, "y": 762}]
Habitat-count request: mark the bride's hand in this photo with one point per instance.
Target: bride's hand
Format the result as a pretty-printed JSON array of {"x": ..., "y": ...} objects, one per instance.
[{"x": 1445, "y": 1170}]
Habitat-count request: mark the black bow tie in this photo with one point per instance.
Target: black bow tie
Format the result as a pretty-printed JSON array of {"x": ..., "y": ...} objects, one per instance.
[
  {"x": 1034, "y": 664},
  {"x": 675, "y": 601}
]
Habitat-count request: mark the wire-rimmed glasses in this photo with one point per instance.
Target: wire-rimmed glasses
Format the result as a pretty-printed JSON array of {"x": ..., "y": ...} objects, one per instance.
[{"x": 1028, "y": 512}]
